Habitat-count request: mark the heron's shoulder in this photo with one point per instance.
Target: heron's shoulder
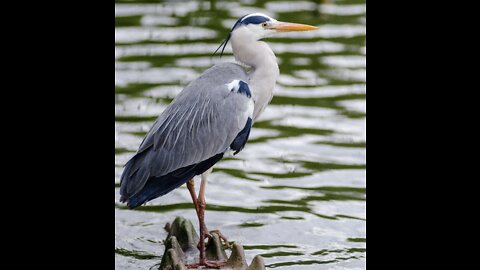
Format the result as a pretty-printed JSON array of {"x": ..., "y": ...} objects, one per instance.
[
  {"x": 224, "y": 72},
  {"x": 228, "y": 66}
]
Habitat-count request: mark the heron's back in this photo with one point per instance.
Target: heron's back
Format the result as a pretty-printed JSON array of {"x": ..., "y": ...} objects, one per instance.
[{"x": 188, "y": 137}]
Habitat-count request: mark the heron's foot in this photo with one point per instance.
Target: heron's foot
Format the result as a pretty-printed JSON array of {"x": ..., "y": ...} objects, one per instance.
[
  {"x": 209, "y": 236},
  {"x": 215, "y": 264},
  {"x": 207, "y": 263},
  {"x": 222, "y": 237}
]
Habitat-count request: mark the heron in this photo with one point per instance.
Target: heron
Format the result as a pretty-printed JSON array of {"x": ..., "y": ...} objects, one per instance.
[{"x": 211, "y": 117}]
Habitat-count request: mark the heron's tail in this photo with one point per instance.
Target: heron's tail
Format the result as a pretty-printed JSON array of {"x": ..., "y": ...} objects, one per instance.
[
  {"x": 156, "y": 187},
  {"x": 159, "y": 186}
]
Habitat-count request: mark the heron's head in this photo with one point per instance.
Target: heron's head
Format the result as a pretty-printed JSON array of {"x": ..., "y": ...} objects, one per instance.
[{"x": 259, "y": 25}]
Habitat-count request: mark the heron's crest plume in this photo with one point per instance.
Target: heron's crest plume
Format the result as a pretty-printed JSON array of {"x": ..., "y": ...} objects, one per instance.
[{"x": 225, "y": 42}]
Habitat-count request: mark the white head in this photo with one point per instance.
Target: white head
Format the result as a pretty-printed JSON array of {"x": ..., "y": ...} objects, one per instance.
[{"x": 259, "y": 25}]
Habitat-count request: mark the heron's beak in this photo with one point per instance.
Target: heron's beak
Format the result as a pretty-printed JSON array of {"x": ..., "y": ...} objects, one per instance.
[{"x": 290, "y": 27}]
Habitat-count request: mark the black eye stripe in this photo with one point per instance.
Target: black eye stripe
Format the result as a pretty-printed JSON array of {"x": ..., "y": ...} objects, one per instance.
[{"x": 255, "y": 20}]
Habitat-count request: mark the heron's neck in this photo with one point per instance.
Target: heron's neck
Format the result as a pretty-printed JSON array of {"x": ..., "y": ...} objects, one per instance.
[{"x": 264, "y": 73}]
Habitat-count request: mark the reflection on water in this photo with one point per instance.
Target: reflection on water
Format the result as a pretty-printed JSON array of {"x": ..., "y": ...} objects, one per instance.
[{"x": 296, "y": 193}]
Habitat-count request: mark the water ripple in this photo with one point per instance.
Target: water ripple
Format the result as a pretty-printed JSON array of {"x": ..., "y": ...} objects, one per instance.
[{"x": 296, "y": 194}]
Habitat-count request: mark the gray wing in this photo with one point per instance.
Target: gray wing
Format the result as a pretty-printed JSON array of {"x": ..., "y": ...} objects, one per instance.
[{"x": 202, "y": 121}]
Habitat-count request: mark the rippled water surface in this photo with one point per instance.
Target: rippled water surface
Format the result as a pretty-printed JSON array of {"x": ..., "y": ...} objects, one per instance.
[{"x": 296, "y": 193}]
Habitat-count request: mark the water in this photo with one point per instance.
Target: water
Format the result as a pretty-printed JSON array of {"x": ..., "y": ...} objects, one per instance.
[{"x": 296, "y": 193}]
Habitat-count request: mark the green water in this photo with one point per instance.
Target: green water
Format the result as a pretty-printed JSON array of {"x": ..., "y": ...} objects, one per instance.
[{"x": 296, "y": 193}]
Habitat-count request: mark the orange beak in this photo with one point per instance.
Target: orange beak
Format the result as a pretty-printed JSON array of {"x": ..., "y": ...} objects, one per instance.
[{"x": 290, "y": 27}]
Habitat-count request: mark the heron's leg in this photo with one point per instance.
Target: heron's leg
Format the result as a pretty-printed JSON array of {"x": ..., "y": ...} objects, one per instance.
[
  {"x": 200, "y": 205},
  {"x": 191, "y": 189},
  {"x": 201, "y": 199},
  {"x": 203, "y": 228},
  {"x": 201, "y": 216}
]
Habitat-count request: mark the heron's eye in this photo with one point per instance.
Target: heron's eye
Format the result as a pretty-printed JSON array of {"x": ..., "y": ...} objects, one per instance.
[{"x": 264, "y": 24}]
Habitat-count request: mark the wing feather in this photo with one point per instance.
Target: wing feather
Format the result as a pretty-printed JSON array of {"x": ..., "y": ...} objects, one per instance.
[{"x": 201, "y": 122}]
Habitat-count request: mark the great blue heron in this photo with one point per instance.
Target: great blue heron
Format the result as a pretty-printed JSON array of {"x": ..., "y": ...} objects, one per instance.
[{"x": 211, "y": 116}]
